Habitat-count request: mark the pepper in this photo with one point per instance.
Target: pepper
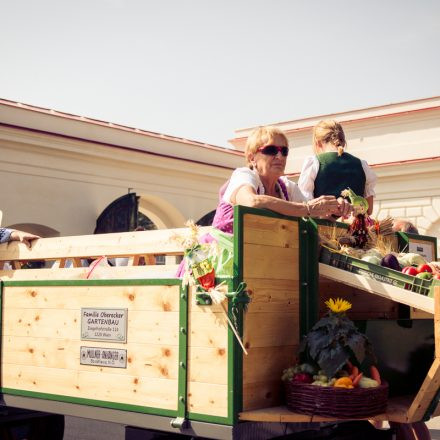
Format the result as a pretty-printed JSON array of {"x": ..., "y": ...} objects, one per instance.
[{"x": 344, "y": 382}]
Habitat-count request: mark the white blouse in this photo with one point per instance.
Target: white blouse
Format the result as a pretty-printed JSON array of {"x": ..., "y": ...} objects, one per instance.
[
  {"x": 310, "y": 168},
  {"x": 245, "y": 176}
]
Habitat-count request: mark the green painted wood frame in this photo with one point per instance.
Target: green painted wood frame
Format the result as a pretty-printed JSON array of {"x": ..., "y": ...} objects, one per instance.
[
  {"x": 308, "y": 290},
  {"x": 183, "y": 311}
]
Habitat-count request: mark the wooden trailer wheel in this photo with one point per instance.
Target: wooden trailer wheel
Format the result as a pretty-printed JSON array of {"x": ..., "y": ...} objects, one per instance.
[{"x": 411, "y": 431}]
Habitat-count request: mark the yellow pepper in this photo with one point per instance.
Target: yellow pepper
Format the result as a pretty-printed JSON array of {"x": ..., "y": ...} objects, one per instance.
[{"x": 344, "y": 382}]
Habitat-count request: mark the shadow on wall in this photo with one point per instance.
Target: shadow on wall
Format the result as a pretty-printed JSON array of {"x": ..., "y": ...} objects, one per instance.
[{"x": 34, "y": 228}]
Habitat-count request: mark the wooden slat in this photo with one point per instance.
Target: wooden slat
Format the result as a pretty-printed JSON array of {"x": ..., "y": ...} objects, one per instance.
[
  {"x": 396, "y": 412},
  {"x": 431, "y": 384},
  {"x": 268, "y": 363},
  {"x": 270, "y": 330},
  {"x": 155, "y": 361},
  {"x": 426, "y": 393},
  {"x": 209, "y": 365},
  {"x": 270, "y": 262},
  {"x": 378, "y": 288},
  {"x": 207, "y": 398},
  {"x": 270, "y": 231},
  {"x": 143, "y": 326},
  {"x": 367, "y": 306},
  {"x": 98, "y": 385},
  {"x": 147, "y": 298},
  {"x": 107, "y": 273},
  {"x": 271, "y": 295},
  {"x": 123, "y": 244},
  {"x": 262, "y": 394}
]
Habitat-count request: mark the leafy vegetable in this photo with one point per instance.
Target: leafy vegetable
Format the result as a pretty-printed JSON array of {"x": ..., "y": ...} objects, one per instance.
[{"x": 334, "y": 340}]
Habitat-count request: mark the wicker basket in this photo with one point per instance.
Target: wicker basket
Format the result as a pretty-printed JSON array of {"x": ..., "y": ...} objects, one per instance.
[{"x": 343, "y": 403}]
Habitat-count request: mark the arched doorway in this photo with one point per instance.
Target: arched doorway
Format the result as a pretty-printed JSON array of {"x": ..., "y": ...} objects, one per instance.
[{"x": 207, "y": 219}]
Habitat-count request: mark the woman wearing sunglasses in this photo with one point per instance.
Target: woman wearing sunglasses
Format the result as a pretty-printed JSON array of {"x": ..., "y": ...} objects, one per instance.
[{"x": 262, "y": 184}]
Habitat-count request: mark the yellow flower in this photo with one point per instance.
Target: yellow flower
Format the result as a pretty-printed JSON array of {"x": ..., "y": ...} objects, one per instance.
[{"x": 338, "y": 305}]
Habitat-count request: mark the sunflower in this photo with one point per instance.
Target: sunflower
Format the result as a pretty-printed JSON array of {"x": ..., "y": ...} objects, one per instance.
[{"x": 338, "y": 305}]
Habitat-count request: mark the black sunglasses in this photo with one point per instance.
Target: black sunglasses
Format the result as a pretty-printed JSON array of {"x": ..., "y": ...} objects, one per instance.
[{"x": 273, "y": 150}]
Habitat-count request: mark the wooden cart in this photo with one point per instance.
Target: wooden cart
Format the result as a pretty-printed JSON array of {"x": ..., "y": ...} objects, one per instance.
[{"x": 131, "y": 345}]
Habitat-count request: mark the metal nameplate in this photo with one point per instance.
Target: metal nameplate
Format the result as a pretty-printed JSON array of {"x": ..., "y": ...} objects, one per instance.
[
  {"x": 103, "y": 357},
  {"x": 104, "y": 325}
]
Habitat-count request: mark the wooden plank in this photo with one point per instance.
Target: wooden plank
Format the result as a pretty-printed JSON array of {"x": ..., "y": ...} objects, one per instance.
[
  {"x": 105, "y": 386},
  {"x": 272, "y": 295},
  {"x": 145, "y": 297},
  {"x": 396, "y": 412},
  {"x": 119, "y": 272},
  {"x": 431, "y": 383},
  {"x": 154, "y": 361},
  {"x": 209, "y": 365},
  {"x": 268, "y": 363},
  {"x": 270, "y": 231},
  {"x": 270, "y": 262},
  {"x": 122, "y": 244},
  {"x": 378, "y": 288},
  {"x": 426, "y": 393},
  {"x": 207, "y": 398},
  {"x": 143, "y": 326},
  {"x": 367, "y": 306},
  {"x": 262, "y": 394},
  {"x": 207, "y": 330},
  {"x": 419, "y": 314},
  {"x": 270, "y": 330}
]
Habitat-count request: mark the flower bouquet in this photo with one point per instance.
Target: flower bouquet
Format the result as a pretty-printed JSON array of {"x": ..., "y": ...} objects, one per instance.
[{"x": 331, "y": 379}]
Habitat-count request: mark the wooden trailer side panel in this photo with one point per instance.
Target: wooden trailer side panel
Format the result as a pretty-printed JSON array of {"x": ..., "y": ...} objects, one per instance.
[
  {"x": 271, "y": 323},
  {"x": 207, "y": 359},
  {"x": 41, "y": 340}
]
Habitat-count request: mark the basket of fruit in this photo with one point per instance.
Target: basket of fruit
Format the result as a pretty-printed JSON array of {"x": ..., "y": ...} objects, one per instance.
[{"x": 332, "y": 381}]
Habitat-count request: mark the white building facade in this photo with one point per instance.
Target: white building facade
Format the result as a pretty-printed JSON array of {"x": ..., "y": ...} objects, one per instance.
[{"x": 58, "y": 172}]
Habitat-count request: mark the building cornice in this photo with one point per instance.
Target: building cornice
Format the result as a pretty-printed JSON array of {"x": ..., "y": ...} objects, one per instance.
[{"x": 348, "y": 117}]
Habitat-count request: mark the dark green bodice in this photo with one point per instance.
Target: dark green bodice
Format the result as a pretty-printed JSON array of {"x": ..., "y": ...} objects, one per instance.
[{"x": 337, "y": 173}]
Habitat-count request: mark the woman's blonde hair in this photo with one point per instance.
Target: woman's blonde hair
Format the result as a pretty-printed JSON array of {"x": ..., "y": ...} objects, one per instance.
[
  {"x": 263, "y": 136},
  {"x": 329, "y": 131}
]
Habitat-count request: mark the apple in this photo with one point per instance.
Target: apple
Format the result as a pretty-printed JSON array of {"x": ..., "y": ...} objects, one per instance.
[
  {"x": 423, "y": 268},
  {"x": 410, "y": 270},
  {"x": 436, "y": 276}
]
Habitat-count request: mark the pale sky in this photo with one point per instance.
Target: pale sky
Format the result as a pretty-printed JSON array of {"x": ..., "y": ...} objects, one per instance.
[{"x": 200, "y": 69}]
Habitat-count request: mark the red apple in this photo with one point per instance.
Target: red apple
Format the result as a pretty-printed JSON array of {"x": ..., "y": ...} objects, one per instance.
[
  {"x": 410, "y": 270},
  {"x": 423, "y": 268}
]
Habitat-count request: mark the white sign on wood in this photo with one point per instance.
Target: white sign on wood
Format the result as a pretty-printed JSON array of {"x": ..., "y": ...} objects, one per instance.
[
  {"x": 104, "y": 324},
  {"x": 103, "y": 357}
]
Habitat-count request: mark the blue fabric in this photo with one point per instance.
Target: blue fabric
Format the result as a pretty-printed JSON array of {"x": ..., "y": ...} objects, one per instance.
[{"x": 5, "y": 234}]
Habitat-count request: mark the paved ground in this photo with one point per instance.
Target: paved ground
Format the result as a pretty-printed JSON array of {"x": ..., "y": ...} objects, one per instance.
[{"x": 85, "y": 429}]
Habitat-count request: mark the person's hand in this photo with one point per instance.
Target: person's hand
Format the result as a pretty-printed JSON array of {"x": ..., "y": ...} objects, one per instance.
[
  {"x": 323, "y": 206},
  {"x": 345, "y": 208},
  {"x": 24, "y": 237}
]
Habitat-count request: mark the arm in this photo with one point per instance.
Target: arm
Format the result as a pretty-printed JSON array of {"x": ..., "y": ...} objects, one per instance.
[
  {"x": 370, "y": 200},
  {"x": 370, "y": 183},
  {"x": 322, "y": 206},
  {"x": 24, "y": 237},
  {"x": 306, "y": 181},
  {"x": 5, "y": 235}
]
